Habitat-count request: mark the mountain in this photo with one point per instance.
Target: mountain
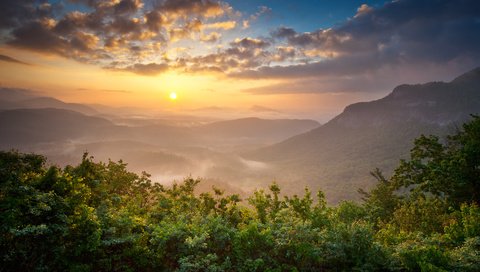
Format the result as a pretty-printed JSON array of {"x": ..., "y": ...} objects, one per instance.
[
  {"x": 254, "y": 131},
  {"x": 256, "y": 127},
  {"x": 168, "y": 152},
  {"x": 11, "y": 98},
  {"x": 49, "y": 102},
  {"x": 22, "y": 127},
  {"x": 14, "y": 94},
  {"x": 338, "y": 156}
]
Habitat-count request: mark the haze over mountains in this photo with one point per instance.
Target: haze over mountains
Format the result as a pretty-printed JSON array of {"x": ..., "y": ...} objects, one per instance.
[
  {"x": 338, "y": 156},
  {"x": 250, "y": 152},
  {"x": 25, "y": 99},
  {"x": 167, "y": 148}
]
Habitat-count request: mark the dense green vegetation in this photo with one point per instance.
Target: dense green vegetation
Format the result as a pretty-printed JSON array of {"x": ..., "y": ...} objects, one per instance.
[{"x": 97, "y": 216}]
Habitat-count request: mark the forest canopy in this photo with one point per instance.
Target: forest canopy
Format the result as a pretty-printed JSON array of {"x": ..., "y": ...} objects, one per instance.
[{"x": 99, "y": 216}]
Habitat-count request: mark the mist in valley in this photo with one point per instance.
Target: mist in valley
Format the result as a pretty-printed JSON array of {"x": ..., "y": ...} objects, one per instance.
[{"x": 169, "y": 148}]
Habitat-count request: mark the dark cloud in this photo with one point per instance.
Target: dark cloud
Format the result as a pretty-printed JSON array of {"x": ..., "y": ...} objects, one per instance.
[
  {"x": 155, "y": 20},
  {"x": 15, "y": 12},
  {"x": 250, "y": 43},
  {"x": 404, "y": 32},
  {"x": 332, "y": 84},
  {"x": 380, "y": 80},
  {"x": 122, "y": 25},
  {"x": 84, "y": 42},
  {"x": 71, "y": 22},
  {"x": 283, "y": 32},
  {"x": 347, "y": 65},
  {"x": 128, "y": 6},
  {"x": 37, "y": 36},
  {"x": 13, "y": 60}
]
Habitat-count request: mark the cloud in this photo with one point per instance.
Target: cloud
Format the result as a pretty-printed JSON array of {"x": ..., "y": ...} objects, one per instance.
[
  {"x": 128, "y": 6},
  {"x": 37, "y": 36},
  {"x": 323, "y": 85},
  {"x": 84, "y": 41},
  {"x": 115, "y": 91},
  {"x": 14, "y": 13},
  {"x": 363, "y": 9},
  {"x": 104, "y": 90},
  {"x": 283, "y": 32},
  {"x": 249, "y": 43},
  {"x": 71, "y": 22},
  {"x": 122, "y": 25},
  {"x": 144, "y": 69},
  {"x": 226, "y": 25},
  {"x": 380, "y": 80},
  {"x": 136, "y": 36},
  {"x": 284, "y": 53},
  {"x": 241, "y": 54},
  {"x": 13, "y": 60},
  {"x": 155, "y": 20},
  {"x": 211, "y": 37},
  {"x": 257, "y": 108},
  {"x": 339, "y": 66},
  {"x": 206, "y": 8},
  {"x": 413, "y": 34},
  {"x": 262, "y": 10},
  {"x": 108, "y": 32}
]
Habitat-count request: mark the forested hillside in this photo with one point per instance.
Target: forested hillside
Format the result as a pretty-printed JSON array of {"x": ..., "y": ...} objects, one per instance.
[
  {"x": 99, "y": 216},
  {"x": 339, "y": 154}
]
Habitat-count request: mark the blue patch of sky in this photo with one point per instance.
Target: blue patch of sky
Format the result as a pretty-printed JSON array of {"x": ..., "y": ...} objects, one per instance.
[
  {"x": 303, "y": 15},
  {"x": 69, "y": 6}
]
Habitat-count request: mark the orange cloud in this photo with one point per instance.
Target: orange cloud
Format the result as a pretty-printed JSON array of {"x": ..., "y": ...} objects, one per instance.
[{"x": 226, "y": 25}]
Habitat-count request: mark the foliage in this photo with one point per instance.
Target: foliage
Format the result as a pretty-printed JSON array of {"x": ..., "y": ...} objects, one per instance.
[
  {"x": 101, "y": 217},
  {"x": 450, "y": 171}
]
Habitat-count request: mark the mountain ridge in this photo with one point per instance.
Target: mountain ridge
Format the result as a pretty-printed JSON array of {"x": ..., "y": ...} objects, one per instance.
[
  {"x": 11, "y": 98},
  {"x": 338, "y": 156}
]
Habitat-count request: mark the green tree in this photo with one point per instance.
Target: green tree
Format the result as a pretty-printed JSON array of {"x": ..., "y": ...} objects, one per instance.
[{"x": 449, "y": 171}]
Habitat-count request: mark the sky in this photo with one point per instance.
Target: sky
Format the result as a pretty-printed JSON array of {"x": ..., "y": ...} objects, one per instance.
[{"x": 305, "y": 59}]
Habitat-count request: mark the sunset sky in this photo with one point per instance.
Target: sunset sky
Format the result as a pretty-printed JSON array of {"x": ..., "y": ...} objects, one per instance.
[{"x": 291, "y": 58}]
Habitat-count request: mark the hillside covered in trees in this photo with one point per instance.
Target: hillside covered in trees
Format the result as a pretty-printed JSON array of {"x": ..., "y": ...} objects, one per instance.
[
  {"x": 99, "y": 216},
  {"x": 339, "y": 154}
]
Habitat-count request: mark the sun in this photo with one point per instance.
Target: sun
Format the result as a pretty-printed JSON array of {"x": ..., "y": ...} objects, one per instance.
[{"x": 173, "y": 96}]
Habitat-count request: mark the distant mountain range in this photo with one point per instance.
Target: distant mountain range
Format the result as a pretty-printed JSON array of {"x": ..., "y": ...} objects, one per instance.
[
  {"x": 20, "y": 127},
  {"x": 63, "y": 131},
  {"x": 337, "y": 156},
  {"x": 25, "y": 99},
  {"x": 31, "y": 126}
]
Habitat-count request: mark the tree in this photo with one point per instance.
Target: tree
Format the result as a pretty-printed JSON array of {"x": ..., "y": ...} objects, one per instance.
[{"x": 450, "y": 171}]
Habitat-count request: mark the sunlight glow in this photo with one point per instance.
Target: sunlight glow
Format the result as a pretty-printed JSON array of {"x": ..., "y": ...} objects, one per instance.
[{"x": 173, "y": 96}]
